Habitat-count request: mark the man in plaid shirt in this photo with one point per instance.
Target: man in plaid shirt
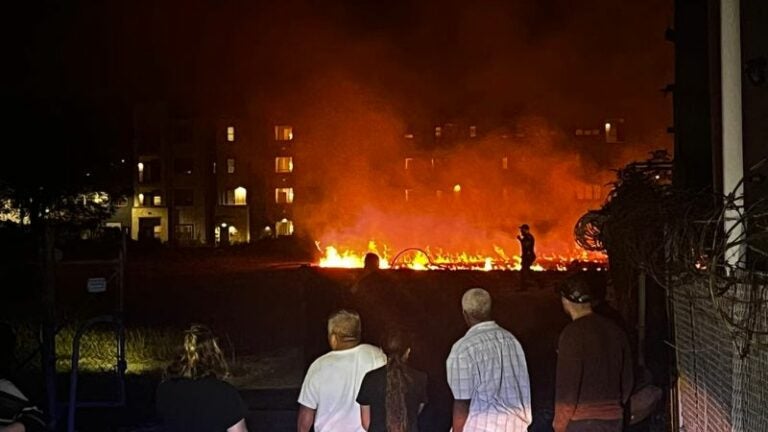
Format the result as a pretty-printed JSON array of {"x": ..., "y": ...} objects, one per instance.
[{"x": 487, "y": 373}]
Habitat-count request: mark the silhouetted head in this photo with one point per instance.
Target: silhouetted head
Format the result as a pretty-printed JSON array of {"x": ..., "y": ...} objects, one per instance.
[
  {"x": 371, "y": 261},
  {"x": 577, "y": 293},
  {"x": 524, "y": 228},
  {"x": 476, "y": 306},
  {"x": 200, "y": 357},
  {"x": 396, "y": 345},
  {"x": 344, "y": 330}
]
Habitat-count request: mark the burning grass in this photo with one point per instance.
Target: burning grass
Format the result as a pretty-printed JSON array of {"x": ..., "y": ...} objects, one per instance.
[{"x": 428, "y": 259}]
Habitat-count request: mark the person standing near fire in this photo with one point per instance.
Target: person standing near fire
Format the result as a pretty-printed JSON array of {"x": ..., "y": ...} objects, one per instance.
[
  {"x": 594, "y": 365},
  {"x": 527, "y": 254}
]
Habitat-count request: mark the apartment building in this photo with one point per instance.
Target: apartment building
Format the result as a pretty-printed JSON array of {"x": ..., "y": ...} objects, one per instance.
[
  {"x": 281, "y": 181},
  {"x": 234, "y": 172},
  {"x": 191, "y": 180},
  {"x": 172, "y": 184}
]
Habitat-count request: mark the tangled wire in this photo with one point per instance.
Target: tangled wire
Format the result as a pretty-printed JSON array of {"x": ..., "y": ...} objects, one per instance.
[{"x": 685, "y": 239}]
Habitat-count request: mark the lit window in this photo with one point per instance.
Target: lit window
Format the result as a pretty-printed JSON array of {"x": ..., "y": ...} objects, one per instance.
[
  {"x": 409, "y": 136},
  {"x": 141, "y": 199},
  {"x": 438, "y": 131},
  {"x": 284, "y": 227},
  {"x": 157, "y": 200},
  {"x": 240, "y": 196},
  {"x": 597, "y": 192},
  {"x": 214, "y": 167},
  {"x": 284, "y": 195},
  {"x": 284, "y": 164},
  {"x": 457, "y": 188},
  {"x": 157, "y": 230},
  {"x": 408, "y": 163},
  {"x": 408, "y": 193},
  {"x": 230, "y": 166},
  {"x": 231, "y": 133},
  {"x": 505, "y": 163},
  {"x": 473, "y": 131},
  {"x": 579, "y": 132},
  {"x": 283, "y": 133},
  {"x": 150, "y": 171},
  {"x": 593, "y": 192}
]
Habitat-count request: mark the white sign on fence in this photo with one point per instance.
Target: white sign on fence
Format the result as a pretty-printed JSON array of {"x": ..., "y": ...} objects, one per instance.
[{"x": 97, "y": 285}]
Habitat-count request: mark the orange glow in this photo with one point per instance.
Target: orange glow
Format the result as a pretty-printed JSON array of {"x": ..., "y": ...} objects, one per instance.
[
  {"x": 357, "y": 192},
  {"x": 425, "y": 259}
]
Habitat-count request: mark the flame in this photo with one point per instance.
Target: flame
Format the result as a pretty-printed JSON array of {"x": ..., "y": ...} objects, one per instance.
[{"x": 426, "y": 259}]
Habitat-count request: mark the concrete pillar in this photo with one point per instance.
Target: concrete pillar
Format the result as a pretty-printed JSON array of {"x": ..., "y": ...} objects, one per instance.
[{"x": 733, "y": 159}]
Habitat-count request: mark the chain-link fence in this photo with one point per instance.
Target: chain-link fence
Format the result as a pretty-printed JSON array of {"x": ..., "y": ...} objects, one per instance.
[
  {"x": 723, "y": 372},
  {"x": 147, "y": 349}
]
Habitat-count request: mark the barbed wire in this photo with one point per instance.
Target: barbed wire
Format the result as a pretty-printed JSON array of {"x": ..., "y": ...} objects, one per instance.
[{"x": 681, "y": 238}]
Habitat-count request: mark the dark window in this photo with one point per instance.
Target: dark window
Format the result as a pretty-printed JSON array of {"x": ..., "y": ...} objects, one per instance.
[
  {"x": 183, "y": 166},
  {"x": 152, "y": 172},
  {"x": 182, "y": 132},
  {"x": 184, "y": 197},
  {"x": 185, "y": 233}
]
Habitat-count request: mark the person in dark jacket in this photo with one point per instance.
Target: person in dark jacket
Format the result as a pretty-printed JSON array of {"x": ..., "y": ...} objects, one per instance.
[
  {"x": 594, "y": 365},
  {"x": 527, "y": 254}
]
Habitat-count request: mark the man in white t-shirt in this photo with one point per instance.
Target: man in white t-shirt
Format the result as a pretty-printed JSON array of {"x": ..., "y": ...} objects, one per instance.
[{"x": 327, "y": 397}]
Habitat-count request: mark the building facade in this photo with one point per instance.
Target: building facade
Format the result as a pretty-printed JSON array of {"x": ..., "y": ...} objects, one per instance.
[{"x": 192, "y": 179}]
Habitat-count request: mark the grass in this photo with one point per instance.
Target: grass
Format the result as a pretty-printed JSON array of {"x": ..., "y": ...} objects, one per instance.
[
  {"x": 149, "y": 350},
  {"x": 146, "y": 349}
]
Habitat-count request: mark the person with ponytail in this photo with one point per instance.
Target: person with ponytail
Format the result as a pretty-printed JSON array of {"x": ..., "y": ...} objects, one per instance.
[
  {"x": 193, "y": 397},
  {"x": 391, "y": 397}
]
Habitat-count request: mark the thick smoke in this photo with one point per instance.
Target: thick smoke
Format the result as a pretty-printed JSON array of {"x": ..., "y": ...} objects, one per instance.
[
  {"x": 353, "y": 76},
  {"x": 526, "y": 76}
]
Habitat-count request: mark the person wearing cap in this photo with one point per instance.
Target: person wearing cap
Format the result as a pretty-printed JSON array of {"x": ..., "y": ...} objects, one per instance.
[
  {"x": 527, "y": 254},
  {"x": 594, "y": 365},
  {"x": 487, "y": 373}
]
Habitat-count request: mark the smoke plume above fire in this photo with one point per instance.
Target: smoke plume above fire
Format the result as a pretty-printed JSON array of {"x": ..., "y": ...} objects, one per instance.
[
  {"x": 361, "y": 180},
  {"x": 526, "y": 77}
]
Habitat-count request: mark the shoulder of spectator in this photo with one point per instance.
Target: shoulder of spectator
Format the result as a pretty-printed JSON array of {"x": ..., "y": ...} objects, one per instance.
[{"x": 9, "y": 388}]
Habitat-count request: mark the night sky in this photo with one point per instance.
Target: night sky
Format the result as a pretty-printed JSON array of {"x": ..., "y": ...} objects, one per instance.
[{"x": 79, "y": 67}]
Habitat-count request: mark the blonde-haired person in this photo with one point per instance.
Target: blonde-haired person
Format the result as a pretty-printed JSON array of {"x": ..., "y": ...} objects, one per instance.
[
  {"x": 327, "y": 397},
  {"x": 193, "y": 397}
]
